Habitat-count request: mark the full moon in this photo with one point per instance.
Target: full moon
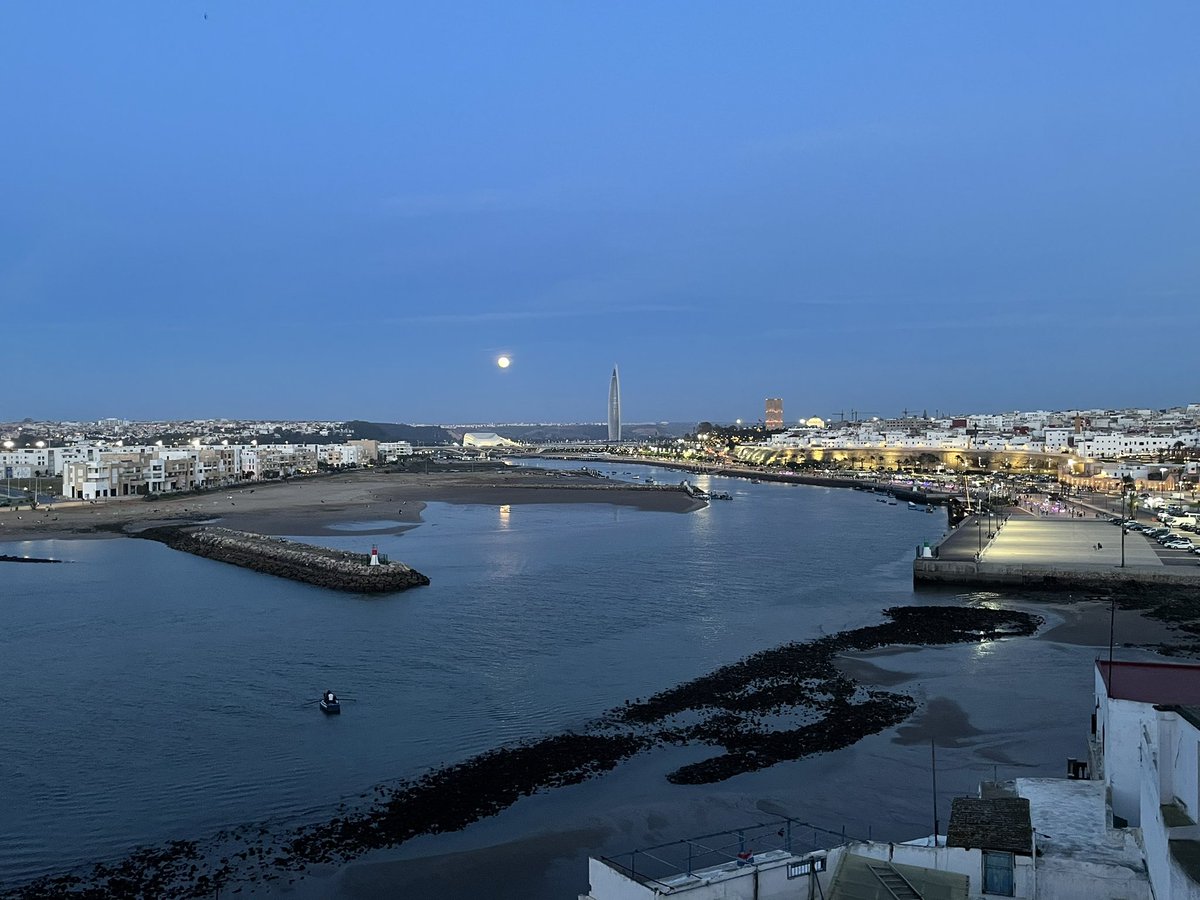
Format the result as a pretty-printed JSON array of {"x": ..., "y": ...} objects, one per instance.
[{"x": 504, "y": 362}]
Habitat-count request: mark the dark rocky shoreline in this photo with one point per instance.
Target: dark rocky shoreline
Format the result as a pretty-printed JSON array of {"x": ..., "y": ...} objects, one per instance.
[{"x": 781, "y": 704}]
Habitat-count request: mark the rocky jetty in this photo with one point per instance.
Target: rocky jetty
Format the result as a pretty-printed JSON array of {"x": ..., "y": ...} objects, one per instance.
[{"x": 337, "y": 570}]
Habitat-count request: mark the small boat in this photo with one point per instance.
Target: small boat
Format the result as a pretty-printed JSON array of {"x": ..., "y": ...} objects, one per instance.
[
  {"x": 912, "y": 505},
  {"x": 929, "y": 508},
  {"x": 330, "y": 704},
  {"x": 891, "y": 503}
]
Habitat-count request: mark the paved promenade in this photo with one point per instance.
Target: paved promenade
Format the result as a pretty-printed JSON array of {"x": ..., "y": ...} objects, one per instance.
[
  {"x": 1067, "y": 542},
  {"x": 1055, "y": 552}
]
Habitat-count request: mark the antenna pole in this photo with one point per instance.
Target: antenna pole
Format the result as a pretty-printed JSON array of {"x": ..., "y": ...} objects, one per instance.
[
  {"x": 933, "y": 769},
  {"x": 1112, "y": 630}
]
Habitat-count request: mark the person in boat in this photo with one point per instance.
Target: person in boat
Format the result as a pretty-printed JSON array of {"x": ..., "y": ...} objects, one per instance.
[{"x": 330, "y": 697}]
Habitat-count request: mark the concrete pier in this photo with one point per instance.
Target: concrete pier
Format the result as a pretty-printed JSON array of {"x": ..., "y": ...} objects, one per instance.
[
  {"x": 1056, "y": 554},
  {"x": 334, "y": 569}
]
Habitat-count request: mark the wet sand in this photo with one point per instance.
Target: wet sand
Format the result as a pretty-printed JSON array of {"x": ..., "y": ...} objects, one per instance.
[
  {"x": 1087, "y": 624},
  {"x": 311, "y": 506}
]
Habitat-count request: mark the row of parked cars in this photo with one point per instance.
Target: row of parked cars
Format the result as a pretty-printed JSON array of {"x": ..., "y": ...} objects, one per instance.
[{"x": 1171, "y": 540}]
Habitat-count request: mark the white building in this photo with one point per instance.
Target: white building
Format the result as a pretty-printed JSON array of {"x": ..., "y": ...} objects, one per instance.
[
  {"x": 486, "y": 440},
  {"x": 1120, "y": 444},
  {"x": 1146, "y": 750},
  {"x": 338, "y": 456},
  {"x": 390, "y": 451}
]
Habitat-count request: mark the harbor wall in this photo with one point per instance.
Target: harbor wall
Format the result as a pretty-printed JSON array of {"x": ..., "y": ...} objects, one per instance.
[
  {"x": 880, "y": 487},
  {"x": 1049, "y": 577},
  {"x": 337, "y": 570}
]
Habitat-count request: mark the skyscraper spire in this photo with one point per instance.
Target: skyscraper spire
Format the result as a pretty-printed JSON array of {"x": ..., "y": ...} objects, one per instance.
[{"x": 614, "y": 407}]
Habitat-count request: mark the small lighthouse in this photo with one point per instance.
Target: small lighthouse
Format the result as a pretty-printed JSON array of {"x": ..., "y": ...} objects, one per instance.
[{"x": 374, "y": 555}]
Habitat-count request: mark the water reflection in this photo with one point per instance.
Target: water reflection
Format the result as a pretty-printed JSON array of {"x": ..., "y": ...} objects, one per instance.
[{"x": 505, "y": 512}]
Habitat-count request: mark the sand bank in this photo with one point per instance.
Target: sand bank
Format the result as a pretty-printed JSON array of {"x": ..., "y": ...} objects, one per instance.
[{"x": 310, "y": 506}]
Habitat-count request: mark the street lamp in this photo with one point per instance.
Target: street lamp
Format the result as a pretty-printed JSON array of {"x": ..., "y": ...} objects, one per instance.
[
  {"x": 39, "y": 445},
  {"x": 8, "y": 445},
  {"x": 1124, "y": 529}
]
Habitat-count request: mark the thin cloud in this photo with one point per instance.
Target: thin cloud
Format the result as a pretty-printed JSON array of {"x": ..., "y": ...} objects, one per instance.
[{"x": 530, "y": 315}]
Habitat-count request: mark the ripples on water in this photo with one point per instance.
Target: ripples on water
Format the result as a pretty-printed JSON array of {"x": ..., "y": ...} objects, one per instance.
[{"x": 154, "y": 695}]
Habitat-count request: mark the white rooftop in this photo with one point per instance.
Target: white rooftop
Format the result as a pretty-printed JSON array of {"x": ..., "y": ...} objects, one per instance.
[{"x": 1070, "y": 821}]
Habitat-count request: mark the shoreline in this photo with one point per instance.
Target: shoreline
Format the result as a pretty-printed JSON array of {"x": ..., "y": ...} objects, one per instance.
[
  {"x": 310, "y": 507},
  {"x": 736, "y": 708},
  {"x": 901, "y": 493}
]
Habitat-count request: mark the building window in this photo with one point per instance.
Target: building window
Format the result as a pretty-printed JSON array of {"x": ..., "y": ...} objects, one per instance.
[{"x": 998, "y": 873}]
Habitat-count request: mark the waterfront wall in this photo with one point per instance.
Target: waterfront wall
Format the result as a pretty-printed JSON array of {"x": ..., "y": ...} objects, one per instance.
[
  {"x": 1049, "y": 577},
  {"x": 900, "y": 493},
  {"x": 335, "y": 569}
]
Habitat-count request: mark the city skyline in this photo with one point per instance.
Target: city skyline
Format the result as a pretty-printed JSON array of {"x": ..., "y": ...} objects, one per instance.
[{"x": 309, "y": 212}]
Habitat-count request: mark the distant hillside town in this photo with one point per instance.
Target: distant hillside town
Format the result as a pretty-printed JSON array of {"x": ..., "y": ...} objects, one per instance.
[
  {"x": 117, "y": 458},
  {"x": 1091, "y": 434}
]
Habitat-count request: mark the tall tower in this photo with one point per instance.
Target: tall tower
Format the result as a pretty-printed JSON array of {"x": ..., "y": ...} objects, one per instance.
[
  {"x": 614, "y": 407},
  {"x": 774, "y": 418}
]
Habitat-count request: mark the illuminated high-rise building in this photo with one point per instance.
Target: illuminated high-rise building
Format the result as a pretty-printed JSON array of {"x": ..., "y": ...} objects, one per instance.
[
  {"x": 774, "y": 413},
  {"x": 614, "y": 407}
]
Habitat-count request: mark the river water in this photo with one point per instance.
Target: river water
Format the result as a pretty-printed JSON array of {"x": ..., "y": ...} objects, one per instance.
[{"x": 152, "y": 695}]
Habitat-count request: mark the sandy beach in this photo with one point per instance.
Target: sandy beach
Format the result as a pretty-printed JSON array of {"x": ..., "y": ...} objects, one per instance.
[{"x": 309, "y": 506}]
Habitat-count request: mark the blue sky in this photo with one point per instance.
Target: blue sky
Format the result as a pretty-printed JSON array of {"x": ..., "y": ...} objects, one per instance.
[{"x": 304, "y": 209}]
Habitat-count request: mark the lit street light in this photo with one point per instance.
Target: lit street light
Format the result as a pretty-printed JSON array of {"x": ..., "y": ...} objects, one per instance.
[
  {"x": 8, "y": 445},
  {"x": 36, "y": 474},
  {"x": 1124, "y": 529}
]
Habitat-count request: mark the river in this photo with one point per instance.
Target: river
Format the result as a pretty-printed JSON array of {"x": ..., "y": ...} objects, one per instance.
[{"x": 151, "y": 695}]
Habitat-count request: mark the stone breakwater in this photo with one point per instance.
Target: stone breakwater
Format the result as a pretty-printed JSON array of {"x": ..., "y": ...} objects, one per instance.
[
  {"x": 780, "y": 704},
  {"x": 337, "y": 570}
]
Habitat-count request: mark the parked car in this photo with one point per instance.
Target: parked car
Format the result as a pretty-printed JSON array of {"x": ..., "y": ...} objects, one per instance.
[{"x": 1179, "y": 545}]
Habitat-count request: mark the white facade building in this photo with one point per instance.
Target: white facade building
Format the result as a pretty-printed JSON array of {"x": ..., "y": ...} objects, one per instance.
[
  {"x": 1146, "y": 748},
  {"x": 390, "y": 451}
]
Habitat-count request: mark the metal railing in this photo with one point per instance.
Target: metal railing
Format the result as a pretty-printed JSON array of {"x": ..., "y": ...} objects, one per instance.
[{"x": 736, "y": 846}]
